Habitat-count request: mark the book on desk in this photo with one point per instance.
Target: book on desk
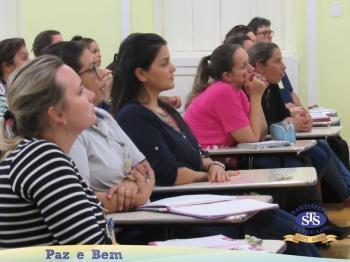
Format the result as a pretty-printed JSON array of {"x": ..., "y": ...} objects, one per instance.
[{"x": 207, "y": 206}]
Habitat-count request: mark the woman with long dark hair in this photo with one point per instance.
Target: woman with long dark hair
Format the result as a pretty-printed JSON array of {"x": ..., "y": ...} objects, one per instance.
[{"x": 143, "y": 70}]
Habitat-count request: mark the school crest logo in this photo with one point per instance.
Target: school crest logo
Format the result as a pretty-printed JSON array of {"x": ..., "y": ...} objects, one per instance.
[{"x": 310, "y": 225}]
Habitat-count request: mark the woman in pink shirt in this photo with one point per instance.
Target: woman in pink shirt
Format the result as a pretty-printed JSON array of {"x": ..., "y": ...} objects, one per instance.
[{"x": 218, "y": 111}]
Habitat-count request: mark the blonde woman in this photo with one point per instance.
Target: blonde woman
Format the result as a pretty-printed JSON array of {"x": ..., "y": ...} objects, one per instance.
[{"x": 43, "y": 199}]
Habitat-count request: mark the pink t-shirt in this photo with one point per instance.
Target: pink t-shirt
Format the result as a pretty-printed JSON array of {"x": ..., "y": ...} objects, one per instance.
[{"x": 215, "y": 113}]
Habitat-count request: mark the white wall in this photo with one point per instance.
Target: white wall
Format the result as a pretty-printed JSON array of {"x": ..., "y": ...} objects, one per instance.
[
  {"x": 200, "y": 25},
  {"x": 10, "y": 19},
  {"x": 193, "y": 28}
]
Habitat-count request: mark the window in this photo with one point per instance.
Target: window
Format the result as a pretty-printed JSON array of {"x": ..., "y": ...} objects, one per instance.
[{"x": 200, "y": 25}]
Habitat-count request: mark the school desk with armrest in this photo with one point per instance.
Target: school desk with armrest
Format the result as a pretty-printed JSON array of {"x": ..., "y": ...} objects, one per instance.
[
  {"x": 169, "y": 220},
  {"x": 319, "y": 132},
  {"x": 274, "y": 181},
  {"x": 295, "y": 149},
  {"x": 251, "y": 179}
]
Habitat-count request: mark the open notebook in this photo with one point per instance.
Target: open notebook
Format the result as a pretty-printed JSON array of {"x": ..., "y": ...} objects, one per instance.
[
  {"x": 264, "y": 144},
  {"x": 207, "y": 206}
]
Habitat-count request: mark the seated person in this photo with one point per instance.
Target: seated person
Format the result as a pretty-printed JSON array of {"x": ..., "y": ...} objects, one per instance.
[
  {"x": 13, "y": 53},
  {"x": 240, "y": 30},
  {"x": 219, "y": 112},
  {"x": 44, "y": 40},
  {"x": 44, "y": 200},
  {"x": 125, "y": 172},
  {"x": 143, "y": 70},
  {"x": 93, "y": 47},
  {"x": 267, "y": 59},
  {"x": 244, "y": 41}
]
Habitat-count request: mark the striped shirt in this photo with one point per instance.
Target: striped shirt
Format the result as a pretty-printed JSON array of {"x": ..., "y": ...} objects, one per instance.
[
  {"x": 3, "y": 100},
  {"x": 44, "y": 201}
]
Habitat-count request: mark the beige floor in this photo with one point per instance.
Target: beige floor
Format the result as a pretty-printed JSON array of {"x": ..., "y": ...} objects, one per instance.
[{"x": 341, "y": 216}]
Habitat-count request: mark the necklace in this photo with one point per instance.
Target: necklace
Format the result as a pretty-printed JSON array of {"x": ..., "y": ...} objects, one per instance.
[{"x": 168, "y": 119}]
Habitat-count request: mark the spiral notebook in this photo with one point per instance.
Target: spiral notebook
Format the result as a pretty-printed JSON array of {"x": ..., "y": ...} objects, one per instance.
[
  {"x": 264, "y": 144},
  {"x": 207, "y": 206}
]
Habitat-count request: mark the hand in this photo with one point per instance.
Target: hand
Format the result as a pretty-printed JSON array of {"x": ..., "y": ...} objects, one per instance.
[
  {"x": 302, "y": 122},
  {"x": 105, "y": 83},
  {"x": 145, "y": 180},
  {"x": 294, "y": 110},
  {"x": 230, "y": 173},
  {"x": 256, "y": 85},
  {"x": 290, "y": 106},
  {"x": 175, "y": 101},
  {"x": 217, "y": 174},
  {"x": 143, "y": 168},
  {"x": 123, "y": 195}
]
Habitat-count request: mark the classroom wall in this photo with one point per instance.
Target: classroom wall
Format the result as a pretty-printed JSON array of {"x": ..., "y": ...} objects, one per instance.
[
  {"x": 99, "y": 20},
  {"x": 299, "y": 44},
  {"x": 141, "y": 16},
  {"x": 334, "y": 60}
]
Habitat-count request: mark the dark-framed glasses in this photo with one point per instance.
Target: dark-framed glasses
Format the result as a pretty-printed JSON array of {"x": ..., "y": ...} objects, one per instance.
[{"x": 266, "y": 33}]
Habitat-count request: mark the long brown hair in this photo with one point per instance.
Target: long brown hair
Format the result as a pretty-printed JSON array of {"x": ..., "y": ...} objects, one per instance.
[
  {"x": 212, "y": 68},
  {"x": 138, "y": 50}
]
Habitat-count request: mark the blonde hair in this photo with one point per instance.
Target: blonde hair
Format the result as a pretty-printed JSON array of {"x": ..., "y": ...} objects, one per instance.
[{"x": 31, "y": 91}]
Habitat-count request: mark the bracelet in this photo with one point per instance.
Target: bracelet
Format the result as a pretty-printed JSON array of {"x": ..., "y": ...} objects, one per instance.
[{"x": 217, "y": 163}]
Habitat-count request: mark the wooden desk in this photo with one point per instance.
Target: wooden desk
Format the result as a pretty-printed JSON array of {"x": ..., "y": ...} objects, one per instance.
[
  {"x": 252, "y": 179},
  {"x": 297, "y": 148},
  {"x": 319, "y": 132},
  {"x": 159, "y": 218}
]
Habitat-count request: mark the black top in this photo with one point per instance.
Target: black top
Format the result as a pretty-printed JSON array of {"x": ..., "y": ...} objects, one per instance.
[
  {"x": 165, "y": 148},
  {"x": 273, "y": 105}
]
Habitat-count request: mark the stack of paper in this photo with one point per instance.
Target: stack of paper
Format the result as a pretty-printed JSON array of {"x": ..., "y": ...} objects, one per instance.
[{"x": 322, "y": 111}]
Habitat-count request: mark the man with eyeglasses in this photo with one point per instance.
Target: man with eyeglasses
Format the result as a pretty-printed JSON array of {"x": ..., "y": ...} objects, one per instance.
[
  {"x": 263, "y": 33},
  {"x": 261, "y": 27}
]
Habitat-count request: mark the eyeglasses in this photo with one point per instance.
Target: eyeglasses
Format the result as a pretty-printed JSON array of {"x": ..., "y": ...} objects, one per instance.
[
  {"x": 93, "y": 69},
  {"x": 266, "y": 33}
]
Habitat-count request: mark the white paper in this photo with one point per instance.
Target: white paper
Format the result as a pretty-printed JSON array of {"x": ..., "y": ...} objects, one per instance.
[
  {"x": 223, "y": 209},
  {"x": 188, "y": 200},
  {"x": 217, "y": 241}
]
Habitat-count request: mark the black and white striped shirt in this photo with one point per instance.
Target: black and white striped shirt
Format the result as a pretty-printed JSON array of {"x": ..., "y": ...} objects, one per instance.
[{"x": 44, "y": 201}]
